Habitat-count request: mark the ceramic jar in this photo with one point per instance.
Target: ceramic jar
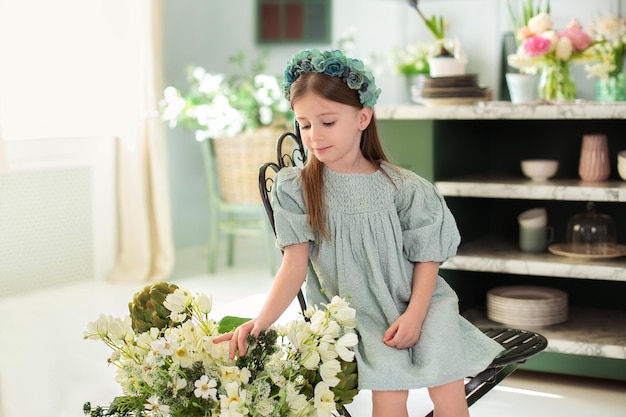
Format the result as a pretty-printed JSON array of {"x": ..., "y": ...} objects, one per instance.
[{"x": 594, "y": 158}]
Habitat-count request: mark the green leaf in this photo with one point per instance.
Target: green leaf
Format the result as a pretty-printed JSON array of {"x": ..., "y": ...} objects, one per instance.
[{"x": 229, "y": 323}]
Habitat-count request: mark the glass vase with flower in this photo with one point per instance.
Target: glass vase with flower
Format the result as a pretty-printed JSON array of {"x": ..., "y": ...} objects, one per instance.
[
  {"x": 553, "y": 52},
  {"x": 609, "y": 32},
  {"x": 557, "y": 82}
]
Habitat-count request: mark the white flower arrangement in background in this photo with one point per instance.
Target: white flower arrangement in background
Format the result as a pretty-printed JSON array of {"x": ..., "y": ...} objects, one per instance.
[
  {"x": 609, "y": 32},
  {"x": 215, "y": 106},
  {"x": 413, "y": 59},
  {"x": 168, "y": 364}
]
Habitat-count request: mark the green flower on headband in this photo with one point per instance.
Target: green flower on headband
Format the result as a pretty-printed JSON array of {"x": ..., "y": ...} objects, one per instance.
[{"x": 336, "y": 64}]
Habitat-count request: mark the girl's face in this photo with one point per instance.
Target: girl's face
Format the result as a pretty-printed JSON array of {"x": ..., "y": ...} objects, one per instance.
[{"x": 332, "y": 131}]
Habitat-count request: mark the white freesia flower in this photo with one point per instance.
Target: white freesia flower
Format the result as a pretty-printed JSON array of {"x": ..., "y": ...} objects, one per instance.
[
  {"x": 144, "y": 342},
  {"x": 311, "y": 358},
  {"x": 205, "y": 304},
  {"x": 319, "y": 322},
  {"x": 327, "y": 350},
  {"x": 99, "y": 328},
  {"x": 178, "y": 301},
  {"x": 329, "y": 371},
  {"x": 324, "y": 402},
  {"x": 120, "y": 330},
  {"x": 344, "y": 345},
  {"x": 341, "y": 311}
]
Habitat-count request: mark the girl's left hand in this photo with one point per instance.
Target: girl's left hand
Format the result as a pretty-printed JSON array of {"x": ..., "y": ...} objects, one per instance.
[{"x": 403, "y": 333}]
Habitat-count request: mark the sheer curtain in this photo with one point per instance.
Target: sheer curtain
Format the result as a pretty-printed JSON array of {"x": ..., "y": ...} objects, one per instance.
[
  {"x": 83, "y": 69},
  {"x": 145, "y": 239},
  {"x": 3, "y": 164}
]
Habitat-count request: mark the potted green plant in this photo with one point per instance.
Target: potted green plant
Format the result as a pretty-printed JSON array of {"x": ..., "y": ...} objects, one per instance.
[{"x": 447, "y": 57}]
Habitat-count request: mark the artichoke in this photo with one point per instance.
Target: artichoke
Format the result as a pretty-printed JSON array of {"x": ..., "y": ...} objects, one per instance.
[{"x": 147, "y": 310}]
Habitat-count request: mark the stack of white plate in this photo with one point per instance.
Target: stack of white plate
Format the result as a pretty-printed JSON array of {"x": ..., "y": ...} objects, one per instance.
[{"x": 527, "y": 305}]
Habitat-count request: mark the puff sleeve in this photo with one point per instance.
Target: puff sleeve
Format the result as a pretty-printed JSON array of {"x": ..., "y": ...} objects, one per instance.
[
  {"x": 290, "y": 217},
  {"x": 429, "y": 230}
]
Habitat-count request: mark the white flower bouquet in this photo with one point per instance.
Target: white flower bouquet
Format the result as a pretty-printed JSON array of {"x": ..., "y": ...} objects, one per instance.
[
  {"x": 216, "y": 106},
  {"x": 168, "y": 364},
  {"x": 609, "y": 32},
  {"x": 413, "y": 59}
]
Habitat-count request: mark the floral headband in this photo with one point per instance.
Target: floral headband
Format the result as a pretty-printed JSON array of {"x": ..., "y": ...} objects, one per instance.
[{"x": 335, "y": 63}]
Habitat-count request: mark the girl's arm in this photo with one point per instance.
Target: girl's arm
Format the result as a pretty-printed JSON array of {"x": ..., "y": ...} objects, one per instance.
[
  {"x": 287, "y": 283},
  {"x": 405, "y": 331}
]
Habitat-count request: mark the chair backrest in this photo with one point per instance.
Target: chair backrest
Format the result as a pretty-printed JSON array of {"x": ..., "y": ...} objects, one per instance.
[{"x": 290, "y": 152}]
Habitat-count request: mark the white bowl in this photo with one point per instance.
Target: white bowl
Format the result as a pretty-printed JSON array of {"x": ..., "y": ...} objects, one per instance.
[{"x": 539, "y": 169}]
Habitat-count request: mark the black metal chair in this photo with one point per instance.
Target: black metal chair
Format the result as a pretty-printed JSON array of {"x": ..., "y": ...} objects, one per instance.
[{"x": 519, "y": 345}]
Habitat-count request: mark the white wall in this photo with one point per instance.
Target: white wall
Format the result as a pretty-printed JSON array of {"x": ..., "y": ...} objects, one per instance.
[{"x": 207, "y": 32}]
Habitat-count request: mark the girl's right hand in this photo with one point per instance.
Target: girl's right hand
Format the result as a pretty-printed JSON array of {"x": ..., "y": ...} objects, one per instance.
[{"x": 238, "y": 337}]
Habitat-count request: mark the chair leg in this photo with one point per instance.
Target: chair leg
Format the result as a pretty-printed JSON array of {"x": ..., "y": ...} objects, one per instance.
[
  {"x": 213, "y": 242},
  {"x": 230, "y": 258},
  {"x": 500, "y": 374},
  {"x": 269, "y": 242}
]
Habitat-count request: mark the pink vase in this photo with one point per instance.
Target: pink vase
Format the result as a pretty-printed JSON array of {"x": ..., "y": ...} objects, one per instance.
[{"x": 594, "y": 158}]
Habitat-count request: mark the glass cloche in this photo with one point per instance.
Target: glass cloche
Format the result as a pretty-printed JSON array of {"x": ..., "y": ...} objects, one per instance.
[{"x": 591, "y": 233}]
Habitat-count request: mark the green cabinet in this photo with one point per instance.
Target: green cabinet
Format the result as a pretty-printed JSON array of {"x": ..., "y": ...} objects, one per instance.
[{"x": 472, "y": 155}]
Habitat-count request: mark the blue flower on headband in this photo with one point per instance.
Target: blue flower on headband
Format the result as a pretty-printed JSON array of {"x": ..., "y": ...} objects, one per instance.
[{"x": 336, "y": 64}]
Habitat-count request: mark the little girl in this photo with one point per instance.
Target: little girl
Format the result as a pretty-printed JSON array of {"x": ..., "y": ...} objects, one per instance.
[{"x": 357, "y": 226}]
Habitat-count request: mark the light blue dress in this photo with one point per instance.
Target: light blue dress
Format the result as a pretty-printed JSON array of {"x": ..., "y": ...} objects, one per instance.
[{"x": 380, "y": 224}]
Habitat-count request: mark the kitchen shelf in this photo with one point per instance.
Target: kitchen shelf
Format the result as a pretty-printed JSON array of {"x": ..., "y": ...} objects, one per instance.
[
  {"x": 520, "y": 188},
  {"x": 588, "y": 331},
  {"x": 472, "y": 154},
  {"x": 493, "y": 110},
  {"x": 500, "y": 256}
]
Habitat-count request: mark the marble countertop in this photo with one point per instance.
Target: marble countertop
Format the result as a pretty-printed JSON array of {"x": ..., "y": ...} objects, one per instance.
[
  {"x": 499, "y": 256},
  {"x": 505, "y": 110},
  {"x": 561, "y": 189},
  {"x": 587, "y": 332}
]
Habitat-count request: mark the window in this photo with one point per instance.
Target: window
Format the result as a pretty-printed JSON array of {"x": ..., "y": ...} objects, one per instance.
[{"x": 293, "y": 21}]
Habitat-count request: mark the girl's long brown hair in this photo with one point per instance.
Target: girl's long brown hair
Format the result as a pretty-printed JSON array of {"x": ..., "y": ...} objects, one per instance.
[{"x": 331, "y": 88}]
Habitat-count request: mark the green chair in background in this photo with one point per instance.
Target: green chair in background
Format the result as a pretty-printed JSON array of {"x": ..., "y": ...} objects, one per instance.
[{"x": 233, "y": 219}]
